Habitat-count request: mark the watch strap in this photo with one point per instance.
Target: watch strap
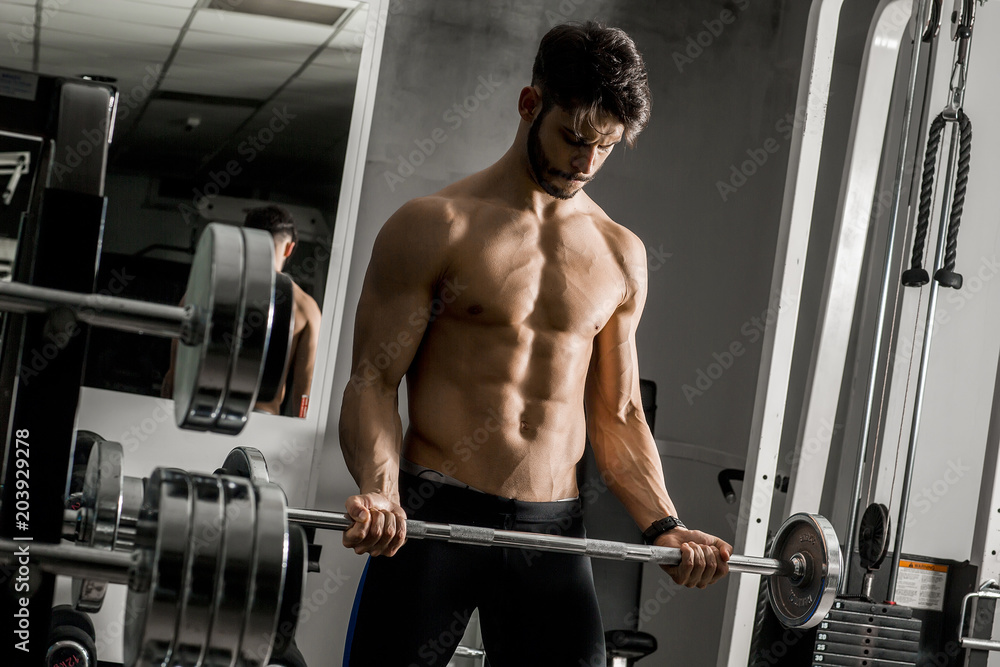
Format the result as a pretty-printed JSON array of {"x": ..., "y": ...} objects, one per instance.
[{"x": 661, "y": 526}]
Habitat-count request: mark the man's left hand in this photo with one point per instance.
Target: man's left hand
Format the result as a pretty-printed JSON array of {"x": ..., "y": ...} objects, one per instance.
[{"x": 703, "y": 557}]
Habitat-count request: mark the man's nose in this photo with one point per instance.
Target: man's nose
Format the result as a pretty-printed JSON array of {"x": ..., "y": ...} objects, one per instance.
[{"x": 585, "y": 159}]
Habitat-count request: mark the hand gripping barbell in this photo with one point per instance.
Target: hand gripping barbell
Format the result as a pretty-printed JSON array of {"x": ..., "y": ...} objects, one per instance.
[
  {"x": 804, "y": 565},
  {"x": 235, "y": 327}
]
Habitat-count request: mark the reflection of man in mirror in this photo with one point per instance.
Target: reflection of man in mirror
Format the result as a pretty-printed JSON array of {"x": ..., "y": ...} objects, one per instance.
[
  {"x": 280, "y": 224},
  {"x": 509, "y": 300},
  {"x": 302, "y": 358}
]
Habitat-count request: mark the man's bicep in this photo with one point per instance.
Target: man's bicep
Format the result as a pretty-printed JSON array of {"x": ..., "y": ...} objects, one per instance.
[{"x": 394, "y": 308}]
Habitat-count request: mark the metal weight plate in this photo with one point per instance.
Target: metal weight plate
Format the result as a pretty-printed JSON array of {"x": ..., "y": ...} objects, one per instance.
[
  {"x": 215, "y": 290},
  {"x": 291, "y": 596},
  {"x": 100, "y": 511},
  {"x": 803, "y": 600},
  {"x": 873, "y": 536},
  {"x": 128, "y": 521},
  {"x": 202, "y": 575},
  {"x": 250, "y": 344},
  {"x": 279, "y": 349},
  {"x": 153, "y": 604},
  {"x": 268, "y": 576},
  {"x": 248, "y": 463},
  {"x": 233, "y": 588}
]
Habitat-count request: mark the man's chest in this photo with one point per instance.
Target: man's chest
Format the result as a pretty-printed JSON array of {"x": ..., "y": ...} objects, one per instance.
[{"x": 552, "y": 282}]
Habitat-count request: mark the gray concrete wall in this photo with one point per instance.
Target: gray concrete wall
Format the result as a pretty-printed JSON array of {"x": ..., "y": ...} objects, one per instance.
[{"x": 717, "y": 104}]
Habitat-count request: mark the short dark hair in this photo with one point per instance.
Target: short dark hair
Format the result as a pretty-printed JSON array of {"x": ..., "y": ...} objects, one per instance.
[
  {"x": 272, "y": 219},
  {"x": 590, "y": 70}
]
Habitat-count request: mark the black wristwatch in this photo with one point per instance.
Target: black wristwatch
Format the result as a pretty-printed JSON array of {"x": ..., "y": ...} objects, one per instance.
[{"x": 661, "y": 526}]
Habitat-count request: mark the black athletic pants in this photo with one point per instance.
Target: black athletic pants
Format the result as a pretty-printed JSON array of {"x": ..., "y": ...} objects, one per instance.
[{"x": 535, "y": 608}]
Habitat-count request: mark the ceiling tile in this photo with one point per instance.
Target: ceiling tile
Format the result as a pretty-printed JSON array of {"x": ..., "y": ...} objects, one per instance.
[
  {"x": 264, "y": 28},
  {"x": 112, "y": 48},
  {"x": 111, "y": 29},
  {"x": 216, "y": 65},
  {"x": 238, "y": 45},
  {"x": 23, "y": 16},
  {"x": 132, "y": 12},
  {"x": 199, "y": 80}
]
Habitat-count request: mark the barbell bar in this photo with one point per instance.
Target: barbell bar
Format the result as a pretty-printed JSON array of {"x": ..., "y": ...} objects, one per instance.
[
  {"x": 235, "y": 328},
  {"x": 803, "y": 567}
]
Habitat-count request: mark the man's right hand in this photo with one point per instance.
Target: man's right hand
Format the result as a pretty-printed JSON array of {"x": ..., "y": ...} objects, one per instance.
[{"x": 379, "y": 525}]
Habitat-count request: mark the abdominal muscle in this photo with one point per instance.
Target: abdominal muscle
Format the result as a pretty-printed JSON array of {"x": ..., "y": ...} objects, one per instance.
[{"x": 499, "y": 408}]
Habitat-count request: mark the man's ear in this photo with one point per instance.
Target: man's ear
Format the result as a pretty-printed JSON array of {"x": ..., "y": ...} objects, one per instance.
[
  {"x": 288, "y": 249},
  {"x": 529, "y": 103}
]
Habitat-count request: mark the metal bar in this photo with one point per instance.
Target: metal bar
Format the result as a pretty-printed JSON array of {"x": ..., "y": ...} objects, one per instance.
[
  {"x": 104, "y": 311},
  {"x": 925, "y": 352},
  {"x": 83, "y": 562},
  {"x": 542, "y": 542},
  {"x": 883, "y": 299}
]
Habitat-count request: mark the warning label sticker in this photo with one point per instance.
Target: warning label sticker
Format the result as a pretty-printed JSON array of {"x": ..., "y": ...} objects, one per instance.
[
  {"x": 921, "y": 585},
  {"x": 20, "y": 85}
]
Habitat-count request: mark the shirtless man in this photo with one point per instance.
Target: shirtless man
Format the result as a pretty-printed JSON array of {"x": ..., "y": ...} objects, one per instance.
[
  {"x": 279, "y": 223},
  {"x": 510, "y": 301}
]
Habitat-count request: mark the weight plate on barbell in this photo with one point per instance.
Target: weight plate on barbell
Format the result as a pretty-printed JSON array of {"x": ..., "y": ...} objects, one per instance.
[
  {"x": 268, "y": 577},
  {"x": 214, "y": 290},
  {"x": 153, "y": 604},
  {"x": 100, "y": 509},
  {"x": 248, "y": 463},
  {"x": 802, "y": 600},
  {"x": 202, "y": 575},
  {"x": 279, "y": 349},
  {"x": 128, "y": 520},
  {"x": 250, "y": 344},
  {"x": 233, "y": 590}
]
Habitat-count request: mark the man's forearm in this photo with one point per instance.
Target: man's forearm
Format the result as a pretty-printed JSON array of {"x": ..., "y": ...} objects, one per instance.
[
  {"x": 630, "y": 466},
  {"x": 370, "y": 438}
]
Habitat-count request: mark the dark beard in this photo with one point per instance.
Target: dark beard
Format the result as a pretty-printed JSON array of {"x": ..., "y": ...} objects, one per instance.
[{"x": 540, "y": 166}]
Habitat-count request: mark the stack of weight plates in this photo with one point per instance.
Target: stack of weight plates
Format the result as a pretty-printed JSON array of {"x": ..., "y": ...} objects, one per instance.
[{"x": 867, "y": 634}]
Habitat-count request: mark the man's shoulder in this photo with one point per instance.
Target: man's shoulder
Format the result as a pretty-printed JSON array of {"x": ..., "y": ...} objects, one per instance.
[
  {"x": 621, "y": 240},
  {"x": 304, "y": 302}
]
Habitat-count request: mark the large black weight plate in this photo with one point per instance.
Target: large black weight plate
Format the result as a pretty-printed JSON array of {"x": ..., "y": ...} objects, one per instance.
[
  {"x": 214, "y": 291},
  {"x": 279, "y": 347},
  {"x": 873, "y": 536},
  {"x": 249, "y": 346},
  {"x": 153, "y": 605},
  {"x": 248, "y": 463},
  {"x": 802, "y": 601}
]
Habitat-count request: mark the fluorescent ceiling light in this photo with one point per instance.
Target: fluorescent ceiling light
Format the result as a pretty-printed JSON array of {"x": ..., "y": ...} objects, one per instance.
[{"x": 295, "y": 10}]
